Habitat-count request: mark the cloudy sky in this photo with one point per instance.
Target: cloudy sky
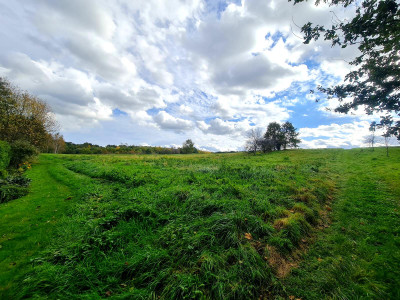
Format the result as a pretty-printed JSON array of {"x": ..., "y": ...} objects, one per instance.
[{"x": 158, "y": 72}]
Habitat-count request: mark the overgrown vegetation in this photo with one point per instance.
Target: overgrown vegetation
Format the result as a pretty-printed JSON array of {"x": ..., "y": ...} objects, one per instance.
[{"x": 202, "y": 226}]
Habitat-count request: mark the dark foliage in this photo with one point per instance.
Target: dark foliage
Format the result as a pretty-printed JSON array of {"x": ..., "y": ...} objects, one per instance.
[
  {"x": 5, "y": 155},
  {"x": 22, "y": 151},
  {"x": 13, "y": 187}
]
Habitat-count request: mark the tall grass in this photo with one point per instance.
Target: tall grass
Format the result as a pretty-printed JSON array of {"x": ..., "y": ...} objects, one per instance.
[
  {"x": 179, "y": 227},
  {"x": 220, "y": 226}
]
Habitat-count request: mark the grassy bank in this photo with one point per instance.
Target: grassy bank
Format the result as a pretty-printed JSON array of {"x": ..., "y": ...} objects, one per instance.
[{"x": 206, "y": 226}]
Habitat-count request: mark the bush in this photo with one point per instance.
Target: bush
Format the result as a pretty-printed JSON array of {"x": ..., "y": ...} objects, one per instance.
[
  {"x": 5, "y": 155},
  {"x": 16, "y": 180},
  {"x": 11, "y": 192},
  {"x": 13, "y": 187},
  {"x": 22, "y": 151}
]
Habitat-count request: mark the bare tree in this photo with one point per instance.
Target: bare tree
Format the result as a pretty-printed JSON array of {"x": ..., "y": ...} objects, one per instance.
[
  {"x": 254, "y": 137},
  {"x": 386, "y": 138},
  {"x": 371, "y": 139}
]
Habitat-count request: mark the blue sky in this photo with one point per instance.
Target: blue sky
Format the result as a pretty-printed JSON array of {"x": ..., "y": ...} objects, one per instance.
[{"x": 153, "y": 72}]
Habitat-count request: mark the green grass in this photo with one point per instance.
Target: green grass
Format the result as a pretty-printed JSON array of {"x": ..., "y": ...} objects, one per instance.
[
  {"x": 28, "y": 225},
  {"x": 358, "y": 256},
  {"x": 206, "y": 226}
]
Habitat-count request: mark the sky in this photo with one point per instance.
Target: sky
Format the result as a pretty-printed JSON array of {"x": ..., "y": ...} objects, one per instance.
[{"x": 150, "y": 72}]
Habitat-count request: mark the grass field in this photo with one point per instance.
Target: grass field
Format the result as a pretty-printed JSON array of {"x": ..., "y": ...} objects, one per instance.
[{"x": 309, "y": 224}]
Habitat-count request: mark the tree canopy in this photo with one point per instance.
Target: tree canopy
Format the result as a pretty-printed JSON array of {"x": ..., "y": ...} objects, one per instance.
[
  {"x": 25, "y": 117},
  {"x": 188, "y": 147},
  {"x": 280, "y": 136},
  {"x": 375, "y": 83}
]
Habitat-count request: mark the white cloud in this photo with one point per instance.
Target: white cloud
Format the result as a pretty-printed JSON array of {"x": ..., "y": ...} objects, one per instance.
[
  {"x": 213, "y": 74},
  {"x": 185, "y": 110},
  {"x": 346, "y": 135},
  {"x": 168, "y": 122},
  {"x": 252, "y": 108},
  {"x": 219, "y": 127}
]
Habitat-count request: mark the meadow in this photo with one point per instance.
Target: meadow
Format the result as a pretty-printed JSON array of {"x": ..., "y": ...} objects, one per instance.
[{"x": 294, "y": 224}]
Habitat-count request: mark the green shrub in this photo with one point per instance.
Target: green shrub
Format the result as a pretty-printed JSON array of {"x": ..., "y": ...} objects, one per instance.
[
  {"x": 11, "y": 192},
  {"x": 13, "y": 187},
  {"x": 17, "y": 180},
  {"x": 22, "y": 151},
  {"x": 5, "y": 155}
]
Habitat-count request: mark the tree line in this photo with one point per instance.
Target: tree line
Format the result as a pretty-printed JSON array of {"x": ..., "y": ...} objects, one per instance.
[
  {"x": 276, "y": 138},
  {"x": 89, "y": 148}
]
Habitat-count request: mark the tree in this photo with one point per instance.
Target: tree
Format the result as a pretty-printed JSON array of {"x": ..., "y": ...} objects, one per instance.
[
  {"x": 275, "y": 138},
  {"x": 254, "y": 137},
  {"x": 275, "y": 134},
  {"x": 375, "y": 84},
  {"x": 188, "y": 147},
  {"x": 290, "y": 136},
  {"x": 386, "y": 138},
  {"x": 24, "y": 117},
  {"x": 58, "y": 143},
  {"x": 371, "y": 138},
  {"x": 266, "y": 145}
]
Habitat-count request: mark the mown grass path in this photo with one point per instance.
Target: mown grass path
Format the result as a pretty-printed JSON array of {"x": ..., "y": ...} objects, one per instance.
[
  {"x": 28, "y": 224},
  {"x": 358, "y": 257}
]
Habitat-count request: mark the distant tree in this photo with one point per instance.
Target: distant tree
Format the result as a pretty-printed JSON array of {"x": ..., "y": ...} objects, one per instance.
[
  {"x": 188, "y": 147},
  {"x": 88, "y": 148},
  {"x": 254, "y": 136},
  {"x": 275, "y": 135},
  {"x": 386, "y": 139},
  {"x": 371, "y": 139},
  {"x": 58, "y": 143},
  {"x": 375, "y": 83},
  {"x": 290, "y": 136}
]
